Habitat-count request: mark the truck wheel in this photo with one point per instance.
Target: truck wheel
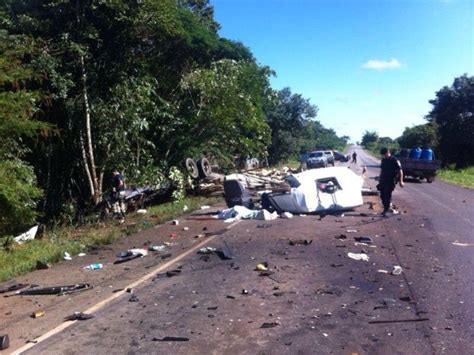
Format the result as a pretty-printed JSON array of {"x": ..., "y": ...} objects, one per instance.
[
  {"x": 191, "y": 168},
  {"x": 430, "y": 179},
  {"x": 204, "y": 168}
]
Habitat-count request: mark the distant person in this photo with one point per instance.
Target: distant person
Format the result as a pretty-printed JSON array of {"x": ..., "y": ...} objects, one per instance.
[
  {"x": 390, "y": 173},
  {"x": 118, "y": 189},
  {"x": 354, "y": 157}
]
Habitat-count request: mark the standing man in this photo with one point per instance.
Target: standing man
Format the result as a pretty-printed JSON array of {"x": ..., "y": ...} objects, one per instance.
[
  {"x": 354, "y": 157},
  {"x": 118, "y": 190},
  {"x": 390, "y": 173}
]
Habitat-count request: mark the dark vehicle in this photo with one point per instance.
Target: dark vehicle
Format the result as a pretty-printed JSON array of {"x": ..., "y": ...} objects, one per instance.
[
  {"x": 338, "y": 156},
  {"x": 418, "y": 168},
  {"x": 317, "y": 159}
]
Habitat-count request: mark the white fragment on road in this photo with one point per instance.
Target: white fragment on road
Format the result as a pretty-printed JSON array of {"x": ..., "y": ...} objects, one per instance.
[
  {"x": 397, "y": 270},
  {"x": 205, "y": 207},
  {"x": 459, "y": 244},
  {"x": 351, "y": 231},
  {"x": 67, "y": 256},
  {"x": 381, "y": 271},
  {"x": 358, "y": 256}
]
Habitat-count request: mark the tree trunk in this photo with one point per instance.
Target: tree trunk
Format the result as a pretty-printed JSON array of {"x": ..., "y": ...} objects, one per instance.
[{"x": 88, "y": 151}]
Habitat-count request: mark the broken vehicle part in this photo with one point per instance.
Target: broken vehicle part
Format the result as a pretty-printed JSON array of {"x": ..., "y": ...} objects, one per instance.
[
  {"x": 79, "y": 316},
  {"x": 55, "y": 290},
  {"x": 4, "y": 342}
]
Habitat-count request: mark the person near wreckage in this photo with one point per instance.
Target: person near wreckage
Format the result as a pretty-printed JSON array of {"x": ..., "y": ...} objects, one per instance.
[{"x": 390, "y": 173}]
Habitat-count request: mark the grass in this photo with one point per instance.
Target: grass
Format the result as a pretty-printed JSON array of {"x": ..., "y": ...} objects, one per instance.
[
  {"x": 461, "y": 177},
  {"x": 16, "y": 259}
]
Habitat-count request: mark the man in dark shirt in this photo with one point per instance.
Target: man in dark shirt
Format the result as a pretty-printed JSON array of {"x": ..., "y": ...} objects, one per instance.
[
  {"x": 354, "y": 157},
  {"x": 390, "y": 173}
]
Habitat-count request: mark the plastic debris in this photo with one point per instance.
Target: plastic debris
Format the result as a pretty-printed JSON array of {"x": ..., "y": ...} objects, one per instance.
[
  {"x": 142, "y": 211},
  {"x": 38, "y": 314},
  {"x": 157, "y": 248},
  {"x": 262, "y": 267},
  {"x": 206, "y": 250},
  {"x": 94, "y": 266},
  {"x": 341, "y": 237},
  {"x": 381, "y": 271},
  {"x": 185, "y": 208},
  {"x": 364, "y": 240},
  {"x": 168, "y": 338},
  {"x": 4, "y": 342},
  {"x": 351, "y": 231},
  {"x": 67, "y": 256},
  {"x": 397, "y": 270},
  {"x": 28, "y": 235},
  {"x": 286, "y": 215},
  {"x": 79, "y": 316},
  {"x": 81, "y": 254},
  {"x": 270, "y": 325},
  {"x": 205, "y": 207},
  {"x": 358, "y": 256},
  {"x": 185, "y": 229},
  {"x": 133, "y": 298},
  {"x": 462, "y": 244},
  {"x": 130, "y": 254}
]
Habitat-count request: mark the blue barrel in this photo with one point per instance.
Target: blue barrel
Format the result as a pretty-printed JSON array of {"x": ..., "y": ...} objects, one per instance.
[
  {"x": 415, "y": 153},
  {"x": 427, "y": 154}
]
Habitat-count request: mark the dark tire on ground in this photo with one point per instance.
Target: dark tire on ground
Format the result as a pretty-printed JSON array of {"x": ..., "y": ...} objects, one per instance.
[
  {"x": 192, "y": 168},
  {"x": 204, "y": 168}
]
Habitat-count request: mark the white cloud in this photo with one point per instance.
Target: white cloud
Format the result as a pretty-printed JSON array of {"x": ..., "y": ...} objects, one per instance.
[{"x": 377, "y": 64}]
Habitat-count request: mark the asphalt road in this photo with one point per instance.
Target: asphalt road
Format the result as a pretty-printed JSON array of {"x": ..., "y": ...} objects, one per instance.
[{"x": 317, "y": 300}]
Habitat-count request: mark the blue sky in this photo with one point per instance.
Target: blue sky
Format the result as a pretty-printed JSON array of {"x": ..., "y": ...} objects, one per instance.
[{"x": 367, "y": 64}]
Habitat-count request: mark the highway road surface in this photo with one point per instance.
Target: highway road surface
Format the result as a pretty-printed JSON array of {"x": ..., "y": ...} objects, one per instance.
[{"x": 314, "y": 300}]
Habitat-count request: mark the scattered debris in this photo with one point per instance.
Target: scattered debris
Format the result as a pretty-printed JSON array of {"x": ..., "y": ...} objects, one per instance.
[
  {"x": 28, "y": 235},
  {"x": 81, "y": 254},
  {"x": 405, "y": 298},
  {"x": 341, "y": 237},
  {"x": 351, "y": 231},
  {"x": 270, "y": 324},
  {"x": 55, "y": 290},
  {"x": 185, "y": 208},
  {"x": 157, "y": 247},
  {"x": 14, "y": 287},
  {"x": 397, "y": 270},
  {"x": 4, "y": 342},
  {"x": 230, "y": 297},
  {"x": 38, "y": 314},
  {"x": 175, "y": 222},
  {"x": 185, "y": 229},
  {"x": 142, "y": 211},
  {"x": 130, "y": 254},
  {"x": 264, "y": 225},
  {"x": 245, "y": 291},
  {"x": 79, "y": 316},
  {"x": 381, "y": 271},
  {"x": 67, "y": 256},
  {"x": 205, "y": 207},
  {"x": 300, "y": 242},
  {"x": 462, "y": 244},
  {"x": 358, "y": 256},
  {"x": 262, "y": 267},
  {"x": 94, "y": 266},
  {"x": 206, "y": 250},
  {"x": 365, "y": 240},
  {"x": 168, "y": 338},
  {"x": 286, "y": 215},
  {"x": 133, "y": 298}
]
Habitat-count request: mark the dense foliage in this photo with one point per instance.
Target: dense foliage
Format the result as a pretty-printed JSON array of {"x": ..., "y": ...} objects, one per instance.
[{"x": 88, "y": 85}]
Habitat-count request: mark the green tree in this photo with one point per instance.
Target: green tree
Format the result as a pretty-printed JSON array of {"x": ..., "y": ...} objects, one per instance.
[
  {"x": 424, "y": 135},
  {"x": 453, "y": 114},
  {"x": 369, "y": 137},
  {"x": 18, "y": 107}
]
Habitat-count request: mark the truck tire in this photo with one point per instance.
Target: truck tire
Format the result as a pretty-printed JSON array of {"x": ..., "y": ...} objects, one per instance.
[
  {"x": 430, "y": 179},
  {"x": 204, "y": 168},
  {"x": 191, "y": 168}
]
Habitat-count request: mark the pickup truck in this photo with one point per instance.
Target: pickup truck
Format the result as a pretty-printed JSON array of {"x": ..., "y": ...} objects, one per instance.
[{"x": 419, "y": 168}]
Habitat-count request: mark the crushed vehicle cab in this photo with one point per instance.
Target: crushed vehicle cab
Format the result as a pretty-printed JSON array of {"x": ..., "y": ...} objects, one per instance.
[
  {"x": 326, "y": 190},
  {"x": 317, "y": 159}
]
